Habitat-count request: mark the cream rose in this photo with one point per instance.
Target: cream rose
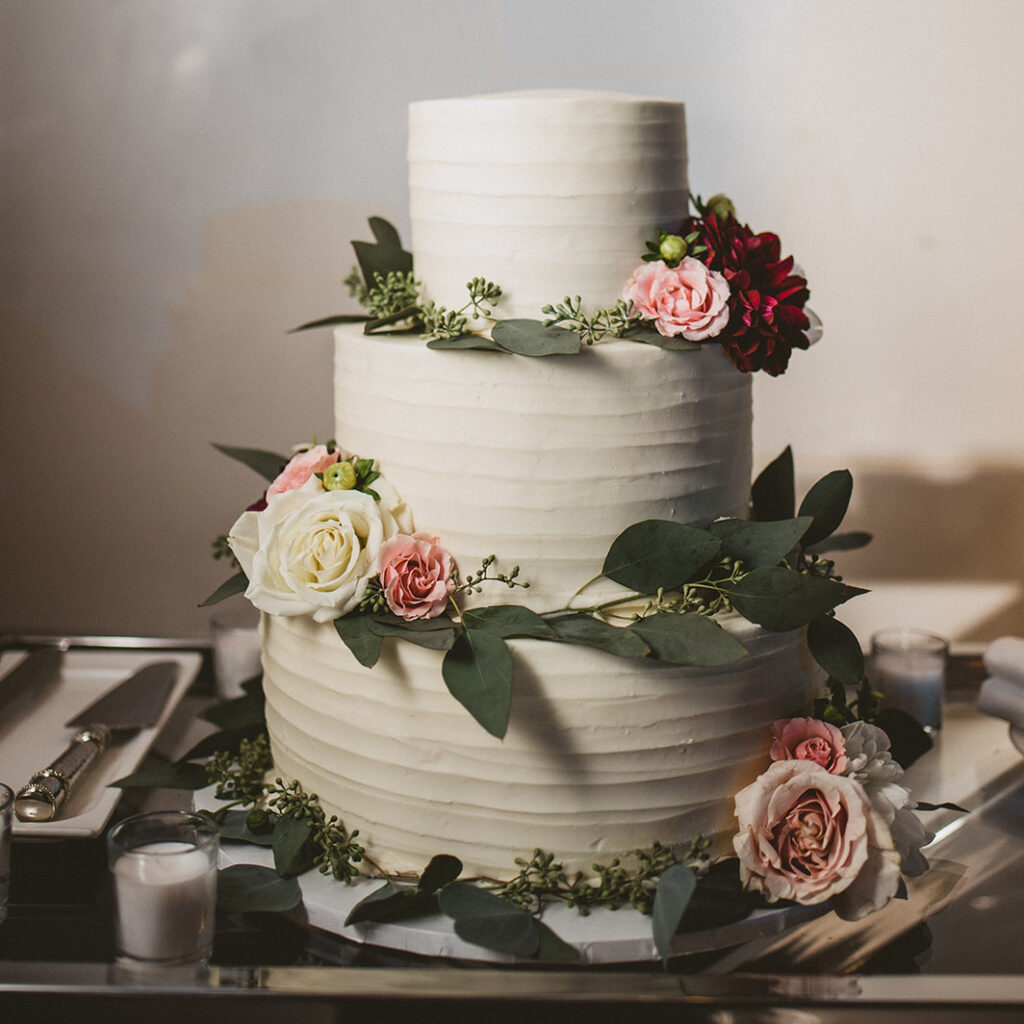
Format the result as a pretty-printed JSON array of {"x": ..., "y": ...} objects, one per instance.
[
  {"x": 689, "y": 299},
  {"x": 311, "y": 551},
  {"x": 807, "y": 835}
]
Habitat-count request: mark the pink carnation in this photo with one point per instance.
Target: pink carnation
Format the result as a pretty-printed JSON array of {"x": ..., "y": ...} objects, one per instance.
[
  {"x": 807, "y": 835},
  {"x": 689, "y": 299},
  {"x": 809, "y": 739},
  {"x": 301, "y": 467},
  {"x": 415, "y": 573}
]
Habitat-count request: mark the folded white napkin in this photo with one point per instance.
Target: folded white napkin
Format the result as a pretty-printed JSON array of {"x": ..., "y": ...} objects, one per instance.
[{"x": 1002, "y": 694}]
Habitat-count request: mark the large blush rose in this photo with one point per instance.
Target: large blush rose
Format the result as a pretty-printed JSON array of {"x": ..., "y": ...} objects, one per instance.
[
  {"x": 415, "y": 573},
  {"x": 301, "y": 467},
  {"x": 809, "y": 739},
  {"x": 687, "y": 300},
  {"x": 313, "y": 552},
  {"x": 807, "y": 835}
]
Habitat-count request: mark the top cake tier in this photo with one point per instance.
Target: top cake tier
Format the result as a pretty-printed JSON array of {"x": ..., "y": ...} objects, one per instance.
[{"x": 546, "y": 193}]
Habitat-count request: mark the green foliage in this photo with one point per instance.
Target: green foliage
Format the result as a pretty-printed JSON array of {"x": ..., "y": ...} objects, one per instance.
[
  {"x": 532, "y": 338},
  {"x": 267, "y": 464},
  {"x": 688, "y": 639},
  {"x": 161, "y": 775},
  {"x": 827, "y": 501},
  {"x": 238, "y": 775},
  {"x": 235, "y": 585},
  {"x": 395, "y": 902},
  {"x": 354, "y": 630},
  {"x": 781, "y": 600},
  {"x": 478, "y": 673},
  {"x": 391, "y": 294},
  {"x": 757, "y": 542},
  {"x": 773, "y": 494},
  {"x": 836, "y": 649},
  {"x": 675, "y": 889},
  {"x": 243, "y": 888},
  {"x": 508, "y": 620},
  {"x": 615, "y": 320},
  {"x": 583, "y": 628},
  {"x": 659, "y": 554},
  {"x": 385, "y": 255}
]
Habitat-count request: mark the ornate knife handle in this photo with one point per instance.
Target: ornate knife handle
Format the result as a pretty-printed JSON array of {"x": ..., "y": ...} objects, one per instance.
[{"x": 46, "y": 791}]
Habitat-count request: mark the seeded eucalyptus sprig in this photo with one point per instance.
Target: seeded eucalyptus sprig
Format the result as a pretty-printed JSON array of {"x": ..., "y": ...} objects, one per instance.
[
  {"x": 615, "y": 320},
  {"x": 441, "y": 323},
  {"x": 472, "y": 583}
]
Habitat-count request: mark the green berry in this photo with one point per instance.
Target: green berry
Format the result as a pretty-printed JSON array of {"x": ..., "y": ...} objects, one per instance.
[
  {"x": 672, "y": 248},
  {"x": 339, "y": 477}
]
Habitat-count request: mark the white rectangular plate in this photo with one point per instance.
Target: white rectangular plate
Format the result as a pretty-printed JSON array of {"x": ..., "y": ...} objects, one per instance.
[{"x": 30, "y": 742}]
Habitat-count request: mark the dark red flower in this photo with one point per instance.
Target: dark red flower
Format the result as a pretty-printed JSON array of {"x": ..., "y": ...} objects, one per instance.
[{"x": 766, "y": 303}]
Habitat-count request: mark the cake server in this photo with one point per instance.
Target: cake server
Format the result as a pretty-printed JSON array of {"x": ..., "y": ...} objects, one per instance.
[{"x": 130, "y": 706}]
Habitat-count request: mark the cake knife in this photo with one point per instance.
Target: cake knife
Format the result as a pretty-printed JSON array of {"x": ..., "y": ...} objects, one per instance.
[{"x": 130, "y": 706}]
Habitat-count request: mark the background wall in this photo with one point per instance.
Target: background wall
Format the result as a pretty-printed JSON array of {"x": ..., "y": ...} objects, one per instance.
[{"x": 180, "y": 179}]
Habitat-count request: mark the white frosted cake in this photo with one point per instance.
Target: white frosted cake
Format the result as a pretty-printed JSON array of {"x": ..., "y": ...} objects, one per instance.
[{"x": 542, "y": 462}]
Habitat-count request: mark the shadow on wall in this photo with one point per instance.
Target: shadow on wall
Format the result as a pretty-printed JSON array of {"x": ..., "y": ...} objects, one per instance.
[{"x": 948, "y": 528}]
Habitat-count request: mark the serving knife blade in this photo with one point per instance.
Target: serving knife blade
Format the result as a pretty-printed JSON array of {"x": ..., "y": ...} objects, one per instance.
[
  {"x": 130, "y": 706},
  {"x": 31, "y": 679}
]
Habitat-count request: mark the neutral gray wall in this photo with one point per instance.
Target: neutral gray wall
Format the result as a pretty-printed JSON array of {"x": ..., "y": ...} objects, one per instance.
[{"x": 179, "y": 180}]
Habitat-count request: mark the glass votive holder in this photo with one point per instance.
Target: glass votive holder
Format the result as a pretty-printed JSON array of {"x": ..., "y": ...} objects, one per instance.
[
  {"x": 6, "y": 804},
  {"x": 236, "y": 650},
  {"x": 164, "y": 866},
  {"x": 909, "y": 668}
]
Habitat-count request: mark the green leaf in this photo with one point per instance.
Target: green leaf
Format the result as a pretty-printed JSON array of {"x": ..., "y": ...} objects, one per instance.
[
  {"x": 383, "y": 257},
  {"x": 836, "y": 649},
  {"x": 293, "y": 846},
  {"x": 532, "y": 338},
  {"x": 650, "y": 336},
  {"x": 408, "y": 313},
  {"x": 551, "y": 948},
  {"x": 330, "y": 321},
  {"x": 841, "y": 542},
  {"x": 363, "y": 642},
  {"x": 464, "y": 341},
  {"x": 659, "y": 554},
  {"x": 160, "y": 775},
  {"x": 242, "y": 888},
  {"x": 582, "y": 628},
  {"x": 233, "y": 828},
  {"x": 478, "y": 672},
  {"x": 226, "y": 739},
  {"x": 238, "y": 713},
  {"x": 688, "y": 639},
  {"x": 393, "y": 902},
  {"x": 434, "y": 634},
  {"x": 508, "y": 620},
  {"x": 774, "y": 494},
  {"x": 487, "y": 920},
  {"x": 780, "y": 600},
  {"x": 267, "y": 464},
  {"x": 675, "y": 887},
  {"x": 757, "y": 542},
  {"x": 906, "y": 734},
  {"x": 235, "y": 585},
  {"x": 827, "y": 501},
  {"x": 253, "y": 686},
  {"x": 442, "y": 869}
]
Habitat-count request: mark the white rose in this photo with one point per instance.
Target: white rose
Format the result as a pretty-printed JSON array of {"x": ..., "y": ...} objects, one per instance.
[{"x": 311, "y": 551}]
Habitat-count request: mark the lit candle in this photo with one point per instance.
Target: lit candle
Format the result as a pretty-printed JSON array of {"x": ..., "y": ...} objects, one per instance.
[{"x": 909, "y": 668}]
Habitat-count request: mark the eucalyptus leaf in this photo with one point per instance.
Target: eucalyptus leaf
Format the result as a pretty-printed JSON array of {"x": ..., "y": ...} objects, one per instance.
[
  {"x": 759, "y": 542},
  {"x": 773, "y": 494},
  {"x": 508, "y": 620},
  {"x": 435, "y": 634},
  {"x": 464, "y": 341},
  {"x": 836, "y": 649},
  {"x": 253, "y": 686},
  {"x": 160, "y": 775},
  {"x": 532, "y": 338},
  {"x": 235, "y": 585},
  {"x": 688, "y": 639},
  {"x": 487, "y": 920},
  {"x": 841, "y": 542},
  {"x": 907, "y": 736},
  {"x": 827, "y": 501},
  {"x": 267, "y": 464},
  {"x": 552, "y": 949},
  {"x": 331, "y": 321},
  {"x": 237, "y": 713},
  {"x": 292, "y": 844},
  {"x": 363, "y": 642},
  {"x": 581, "y": 628},
  {"x": 243, "y": 888},
  {"x": 232, "y": 826},
  {"x": 651, "y": 336},
  {"x": 376, "y": 326},
  {"x": 659, "y": 554},
  {"x": 393, "y": 902},
  {"x": 383, "y": 257},
  {"x": 442, "y": 869},
  {"x": 478, "y": 672},
  {"x": 229, "y": 740},
  {"x": 675, "y": 888},
  {"x": 780, "y": 600}
]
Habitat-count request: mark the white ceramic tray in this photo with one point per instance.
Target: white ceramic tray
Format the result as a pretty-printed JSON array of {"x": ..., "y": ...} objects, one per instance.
[{"x": 32, "y": 740}]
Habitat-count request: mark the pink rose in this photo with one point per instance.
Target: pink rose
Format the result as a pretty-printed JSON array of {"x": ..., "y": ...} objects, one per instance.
[
  {"x": 808, "y": 739},
  {"x": 416, "y": 576},
  {"x": 301, "y": 467},
  {"x": 807, "y": 835},
  {"x": 689, "y": 299}
]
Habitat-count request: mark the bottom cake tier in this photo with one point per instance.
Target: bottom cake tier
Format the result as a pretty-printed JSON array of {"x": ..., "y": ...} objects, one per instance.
[{"x": 603, "y": 754}]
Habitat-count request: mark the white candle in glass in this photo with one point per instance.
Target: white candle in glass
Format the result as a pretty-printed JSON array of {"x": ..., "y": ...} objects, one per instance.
[{"x": 908, "y": 666}]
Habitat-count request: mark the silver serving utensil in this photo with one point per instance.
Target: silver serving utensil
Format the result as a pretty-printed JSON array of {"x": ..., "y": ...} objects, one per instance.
[
  {"x": 130, "y": 706},
  {"x": 31, "y": 679}
]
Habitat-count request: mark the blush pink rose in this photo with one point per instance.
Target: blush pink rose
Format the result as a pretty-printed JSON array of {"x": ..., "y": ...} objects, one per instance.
[
  {"x": 415, "y": 573},
  {"x": 301, "y": 467},
  {"x": 809, "y": 739},
  {"x": 690, "y": 299},
  {"x": 807, "y": 835}
]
